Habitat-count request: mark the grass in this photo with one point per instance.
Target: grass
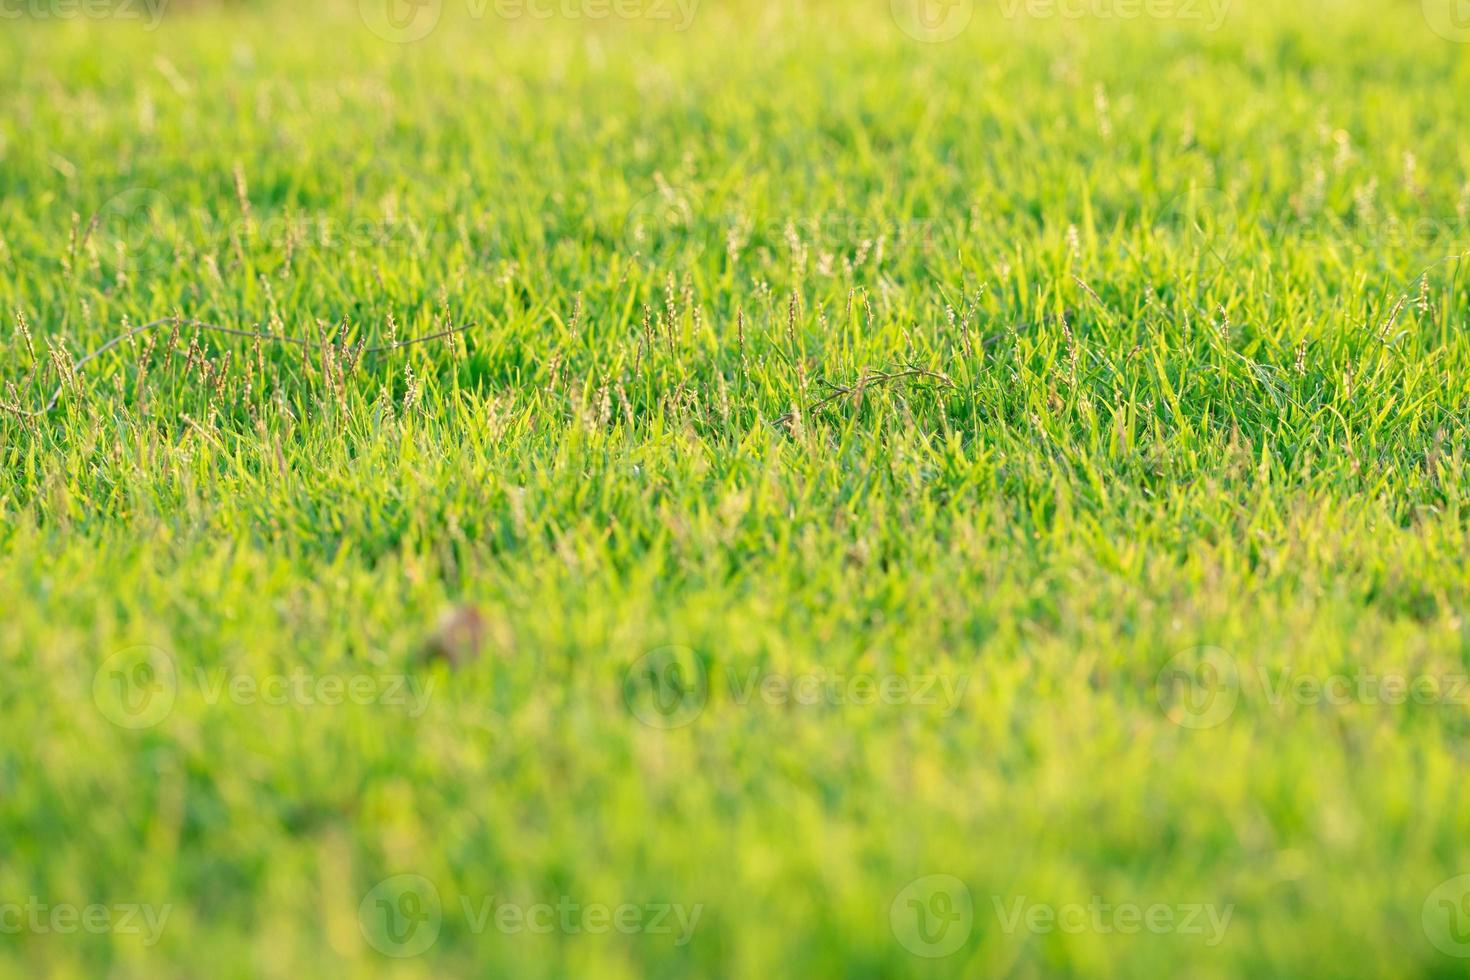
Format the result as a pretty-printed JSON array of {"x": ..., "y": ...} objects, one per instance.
[{"x": 1036, "y": 458}]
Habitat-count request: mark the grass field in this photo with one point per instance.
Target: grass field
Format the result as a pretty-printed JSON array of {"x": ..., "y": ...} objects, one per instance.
[{"x": 980, "y": 493}]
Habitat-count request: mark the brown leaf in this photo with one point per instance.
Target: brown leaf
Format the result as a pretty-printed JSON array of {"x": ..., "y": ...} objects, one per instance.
[{"x": 457, "y": 638}]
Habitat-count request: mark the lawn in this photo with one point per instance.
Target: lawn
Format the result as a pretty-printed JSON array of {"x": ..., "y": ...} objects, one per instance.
[{"x": 661, "y": 489}]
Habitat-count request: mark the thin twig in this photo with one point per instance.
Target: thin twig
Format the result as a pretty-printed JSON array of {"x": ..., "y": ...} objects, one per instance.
[
  {"x": 202, "y": 431},
  {"x": 838, "y": 391},
  {"x": 215, "y": 328}
]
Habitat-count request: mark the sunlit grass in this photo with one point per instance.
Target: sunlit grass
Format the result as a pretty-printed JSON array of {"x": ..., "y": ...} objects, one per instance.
[{"x": 1089, "y": 384}]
